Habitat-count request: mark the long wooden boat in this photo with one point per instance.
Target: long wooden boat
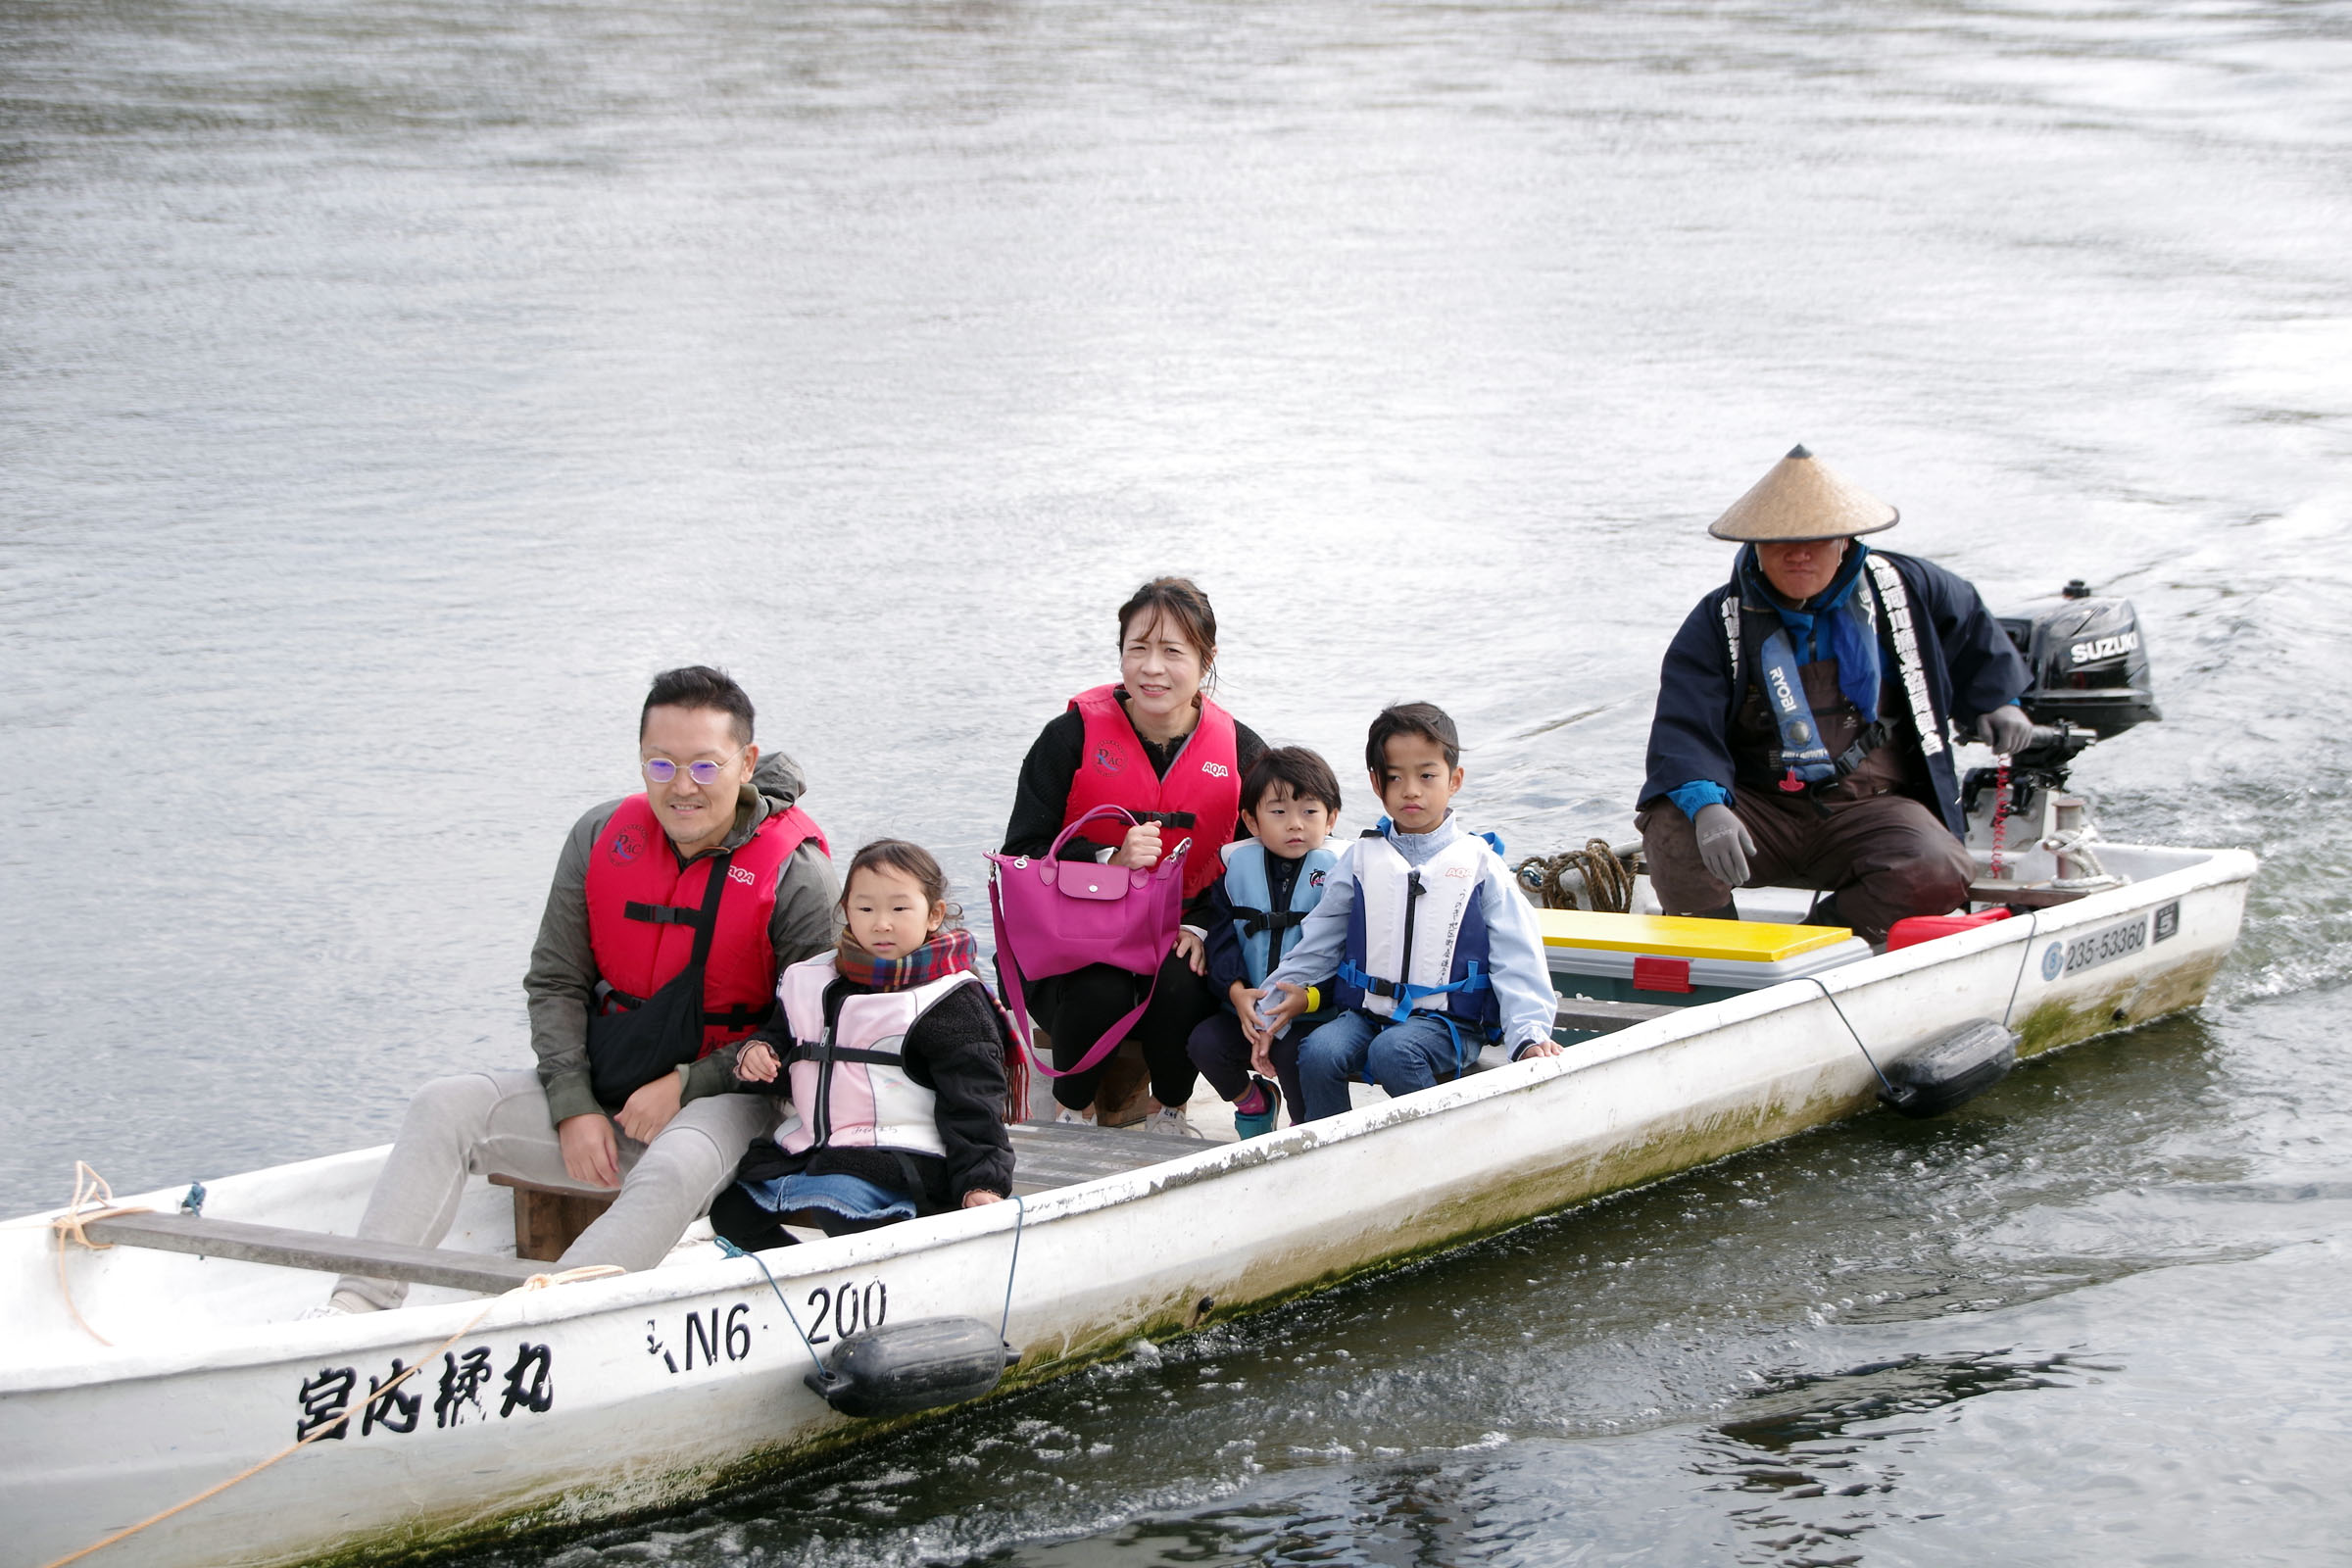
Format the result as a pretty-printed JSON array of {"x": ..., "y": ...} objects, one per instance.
[{"x": 605, "y": 1397}]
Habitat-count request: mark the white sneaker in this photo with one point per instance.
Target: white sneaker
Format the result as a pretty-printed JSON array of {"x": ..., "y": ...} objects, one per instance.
[
  {"x": 1170, "y": 1121},
  {"x": 1063, "y": 1115}
]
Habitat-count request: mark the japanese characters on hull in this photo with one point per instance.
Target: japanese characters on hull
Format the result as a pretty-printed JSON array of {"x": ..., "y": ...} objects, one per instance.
[{"x": 528, "y": 1388}]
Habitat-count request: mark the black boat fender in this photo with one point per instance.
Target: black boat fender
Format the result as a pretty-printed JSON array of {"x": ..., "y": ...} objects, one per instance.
[
  {"x": 901, "y": 1368},
  {"x": 1949, "y": 1070}
]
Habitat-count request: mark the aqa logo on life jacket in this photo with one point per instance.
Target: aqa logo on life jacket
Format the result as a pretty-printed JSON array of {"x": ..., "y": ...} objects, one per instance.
[
  {"x": 1459, "y": 872},
  {"x": 1108, "y": 759},
  {"x": 627, "y": 846},
  {"x": 1216, "y": 770},
  {"x": 737, "y": 874}
]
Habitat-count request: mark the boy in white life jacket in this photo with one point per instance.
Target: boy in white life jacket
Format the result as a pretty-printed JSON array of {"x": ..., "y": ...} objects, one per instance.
[
  {"x": 1255, "y": 913},
  {"x": 1434, "y": 953}
]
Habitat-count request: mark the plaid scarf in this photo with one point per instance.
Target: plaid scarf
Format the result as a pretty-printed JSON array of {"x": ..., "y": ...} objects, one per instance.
[{"x": 948, "y": 953}]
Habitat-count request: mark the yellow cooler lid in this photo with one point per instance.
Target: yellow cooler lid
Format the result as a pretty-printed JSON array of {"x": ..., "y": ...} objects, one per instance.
[{"x": 1672, "y": 936}]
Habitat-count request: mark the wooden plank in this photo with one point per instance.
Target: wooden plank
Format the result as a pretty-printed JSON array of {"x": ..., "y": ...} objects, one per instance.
[
  {"x": 2024, "y": 895},
  {"x": 314, "y": 1249},
  {"x": 1605, "y": 1017},
  {"x": 1048, "y": 1155}
]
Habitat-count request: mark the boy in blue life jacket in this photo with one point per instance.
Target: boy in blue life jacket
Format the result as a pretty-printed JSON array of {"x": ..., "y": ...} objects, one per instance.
[
  {"x": 1272, "y": 878},
  {"x": 1434, "y": 951}
]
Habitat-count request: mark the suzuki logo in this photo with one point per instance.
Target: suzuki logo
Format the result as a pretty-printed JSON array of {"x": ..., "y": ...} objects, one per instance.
[{"x": 2104, "y": 648}]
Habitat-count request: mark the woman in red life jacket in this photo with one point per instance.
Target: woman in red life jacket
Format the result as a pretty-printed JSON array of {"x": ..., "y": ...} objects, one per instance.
[
  {"x": 894, "y": 1054},
  {"x": 1158, "y": 746}
]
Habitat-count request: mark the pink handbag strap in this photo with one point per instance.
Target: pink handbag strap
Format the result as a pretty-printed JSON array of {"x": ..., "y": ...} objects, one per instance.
[
  {"x": 1064, "y": 837},
  {"x": 1016, "y": 991}
]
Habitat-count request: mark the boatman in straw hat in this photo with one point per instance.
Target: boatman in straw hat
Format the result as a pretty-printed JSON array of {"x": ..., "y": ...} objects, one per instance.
[{"x": 1806, "y": 714}]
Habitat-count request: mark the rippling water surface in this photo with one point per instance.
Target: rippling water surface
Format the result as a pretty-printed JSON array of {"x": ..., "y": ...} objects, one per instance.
[{"x": 386, "y": 391}]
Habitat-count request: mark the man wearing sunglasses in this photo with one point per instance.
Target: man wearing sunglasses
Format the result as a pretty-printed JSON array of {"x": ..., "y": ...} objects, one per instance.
[{"x": 671, "y": 913}]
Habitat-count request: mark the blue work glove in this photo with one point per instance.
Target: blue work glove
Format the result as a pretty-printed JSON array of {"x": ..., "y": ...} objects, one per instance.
[
  {"x": 1724, "y": 843},
  {"x": 2007, "y": 730}
]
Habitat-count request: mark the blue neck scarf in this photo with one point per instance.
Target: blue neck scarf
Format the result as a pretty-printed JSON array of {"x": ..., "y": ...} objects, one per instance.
[{"x": 1834, "y": 623}]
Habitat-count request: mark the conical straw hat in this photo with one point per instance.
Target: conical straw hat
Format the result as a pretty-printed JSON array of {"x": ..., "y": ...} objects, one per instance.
[{"x": 1803, "y": 497}]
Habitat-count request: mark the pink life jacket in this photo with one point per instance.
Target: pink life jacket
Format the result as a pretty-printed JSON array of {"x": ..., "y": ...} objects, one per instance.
[{"x": 850, "y": 1088}]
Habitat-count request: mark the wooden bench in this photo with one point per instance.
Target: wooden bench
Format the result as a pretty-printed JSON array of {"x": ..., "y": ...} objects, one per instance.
[
  {"x": 313, "y": 1250},
  {"x": 549, "y": 1219}
]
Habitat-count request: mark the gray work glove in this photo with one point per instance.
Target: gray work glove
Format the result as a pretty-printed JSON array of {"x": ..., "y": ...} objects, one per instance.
[
  {"x": 1724, "y": 844},
  {"x": 2007, "y": 730}
]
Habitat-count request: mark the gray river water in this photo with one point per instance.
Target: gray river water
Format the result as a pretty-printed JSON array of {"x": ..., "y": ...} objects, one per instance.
[{"x": 386, "y": 391}]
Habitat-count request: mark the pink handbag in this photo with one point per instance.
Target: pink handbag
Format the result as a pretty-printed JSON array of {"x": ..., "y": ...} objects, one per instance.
[{"x": 1055, "y": 915}]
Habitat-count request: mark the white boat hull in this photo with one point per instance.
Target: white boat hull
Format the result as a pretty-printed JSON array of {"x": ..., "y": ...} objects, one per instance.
[{"x": 614, "y": 1397}]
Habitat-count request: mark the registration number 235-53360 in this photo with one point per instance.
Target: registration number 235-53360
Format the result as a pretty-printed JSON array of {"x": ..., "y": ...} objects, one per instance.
[{"x": 2115, "y": 941}]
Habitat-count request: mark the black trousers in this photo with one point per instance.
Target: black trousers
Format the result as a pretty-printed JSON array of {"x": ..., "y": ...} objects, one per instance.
[
  {"x": 1222, "y": 1053},
  {"x": 1075, "y": 1008}
]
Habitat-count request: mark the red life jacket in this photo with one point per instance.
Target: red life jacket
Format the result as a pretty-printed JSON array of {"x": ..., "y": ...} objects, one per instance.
[
  {"x": 634, "y": 882},
  {"x": 1205, "y": 780}
]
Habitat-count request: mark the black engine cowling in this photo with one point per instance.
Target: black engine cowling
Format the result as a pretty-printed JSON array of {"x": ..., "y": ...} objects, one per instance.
[{"x": 2089, "y": 662}]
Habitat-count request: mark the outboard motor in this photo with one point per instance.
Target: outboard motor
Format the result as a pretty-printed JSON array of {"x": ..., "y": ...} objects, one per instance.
[{"x": 2089, "y": 665}]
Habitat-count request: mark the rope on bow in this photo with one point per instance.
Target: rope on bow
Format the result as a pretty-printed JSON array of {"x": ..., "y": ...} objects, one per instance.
[
  {"x": 333, "y": 1426},
  {"x": 88, "y": 1188}
]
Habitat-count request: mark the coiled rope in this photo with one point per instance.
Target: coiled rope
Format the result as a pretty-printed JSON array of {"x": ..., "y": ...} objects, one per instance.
[
  {"x": 1602, "y": 877},
  {"x": 89, "y": 1185}
]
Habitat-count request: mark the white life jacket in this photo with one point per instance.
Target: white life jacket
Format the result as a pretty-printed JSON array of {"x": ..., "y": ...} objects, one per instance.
[
  {"x": 1437, "y": 904},
  {"x": 850, "y": 1088}
]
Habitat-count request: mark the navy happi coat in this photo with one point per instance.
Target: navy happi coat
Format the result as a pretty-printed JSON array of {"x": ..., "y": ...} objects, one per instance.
[{"x": 1971, "y": 667}]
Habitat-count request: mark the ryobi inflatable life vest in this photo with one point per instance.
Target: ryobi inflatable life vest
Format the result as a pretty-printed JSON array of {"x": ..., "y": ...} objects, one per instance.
[
  {"x": 644, "y": 907},
  {"x": 1200, "y": 798},
  {"x": 1266, "y": 933},
  {"x": 1801, "y": 762},
  {"x": 850, "y": 1088},
  {"x": 1417, "y": 935}
]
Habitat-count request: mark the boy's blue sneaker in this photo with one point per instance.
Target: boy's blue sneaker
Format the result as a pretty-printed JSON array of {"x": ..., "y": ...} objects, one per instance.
[{"x": 1257, "y": 1124}]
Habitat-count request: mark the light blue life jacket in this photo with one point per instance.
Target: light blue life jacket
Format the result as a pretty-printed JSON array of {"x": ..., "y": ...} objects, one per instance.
[{"x": 1268, "y": 934}]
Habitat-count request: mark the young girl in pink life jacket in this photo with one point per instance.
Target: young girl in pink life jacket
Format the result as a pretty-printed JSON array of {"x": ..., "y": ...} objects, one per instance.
[{"x": 893, "y": 1053}]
